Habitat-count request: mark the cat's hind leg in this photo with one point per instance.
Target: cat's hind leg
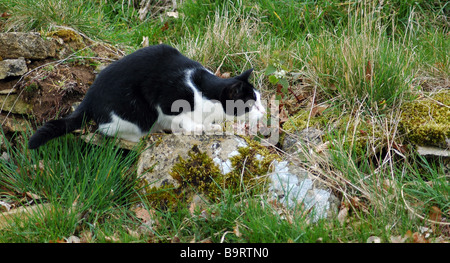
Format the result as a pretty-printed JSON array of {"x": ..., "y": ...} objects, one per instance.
[{"x": 121, "y": 128}]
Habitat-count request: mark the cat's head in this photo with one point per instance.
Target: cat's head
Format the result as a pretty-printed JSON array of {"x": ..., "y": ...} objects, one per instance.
[{"x": 240, "y": 97}]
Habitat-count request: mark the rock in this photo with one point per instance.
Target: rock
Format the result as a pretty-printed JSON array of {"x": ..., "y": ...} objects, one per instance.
[
  {"x": 288, "y": 183},
  {"x": 293, "y": 186},
  {"x": 98, "y": 139},
  {"x": 12, "y": 67},
  {"x": 14, "y": 124},
  {"x": 5, "y": 156},
  {"x": 163, "y": 152},
  {"x": 28, "y": 45},
  {"x": 433, "y": 151},
  {"x": 12, "y": 103}
]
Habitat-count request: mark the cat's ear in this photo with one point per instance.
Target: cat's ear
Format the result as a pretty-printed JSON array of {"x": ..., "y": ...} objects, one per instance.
[
  {"x": 232, "y": 92},
  {"x": 245, "y": 75}
]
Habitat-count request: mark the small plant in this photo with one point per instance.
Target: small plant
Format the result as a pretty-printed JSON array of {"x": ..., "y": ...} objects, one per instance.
[{"x": 278, "y": 74}]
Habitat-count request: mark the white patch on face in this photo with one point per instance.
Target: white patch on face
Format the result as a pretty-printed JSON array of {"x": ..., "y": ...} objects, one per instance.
[
  {"x": 258, "y": 110},
  {"x": 121, "y": 128}
]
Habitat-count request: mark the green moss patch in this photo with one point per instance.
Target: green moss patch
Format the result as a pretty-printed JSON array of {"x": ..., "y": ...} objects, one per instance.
[{"x": 427, "y": 121}]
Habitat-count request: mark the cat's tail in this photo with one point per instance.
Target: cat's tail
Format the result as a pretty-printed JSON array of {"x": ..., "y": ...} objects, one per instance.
[{"x": 56, "y": 128}]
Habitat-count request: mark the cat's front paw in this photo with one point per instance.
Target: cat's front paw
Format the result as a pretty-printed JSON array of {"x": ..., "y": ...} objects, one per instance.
[{"x": 194, "y": 129}]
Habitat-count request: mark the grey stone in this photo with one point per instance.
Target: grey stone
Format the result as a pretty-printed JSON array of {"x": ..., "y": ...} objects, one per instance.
[
  {"x": 163, "y": 152},
  {"x": 12, "y": 67},
  {"x": 28, "y": 45},
  {"x": 13, "y": 103}
]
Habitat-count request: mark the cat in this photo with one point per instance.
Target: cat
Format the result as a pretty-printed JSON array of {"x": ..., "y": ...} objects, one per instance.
[{"x": 155, "y": 89}]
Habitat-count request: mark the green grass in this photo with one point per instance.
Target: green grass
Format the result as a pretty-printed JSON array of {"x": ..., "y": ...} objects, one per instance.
[
  {"x": 363, "y": 59},
  {"x": 82, "y": 183}
]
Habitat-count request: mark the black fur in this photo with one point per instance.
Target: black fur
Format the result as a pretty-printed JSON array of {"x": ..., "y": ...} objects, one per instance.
[{"x": 133, "y": 86}]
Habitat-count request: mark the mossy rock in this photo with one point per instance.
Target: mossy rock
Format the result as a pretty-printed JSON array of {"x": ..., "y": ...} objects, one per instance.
[
  {"x": 206, "y": 165},
  {"x": 67, "y": 36},
  {"x": 299, "y": 121},
  {"x": 358, "y": 132},
  {"x": 426, "y": 121}
]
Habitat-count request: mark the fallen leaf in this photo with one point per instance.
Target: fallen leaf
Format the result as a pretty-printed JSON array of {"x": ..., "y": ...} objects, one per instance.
[
  {"x": 73, "y": 239},
  {"x": 143, "y": 214},
  {"x": 165, "y": 27},
  {"x": 58, "y": 241},
  {"x": 435, "y": 214},
  {"x": 236, "y": 231},
  {"x": 317, "y": 111},
  {"x": 86, "y": 237},
  {"x": 4, "y": 206},
  {"x": 398, "y": 239},
  {"x": 323, "y": 147},
  {"x": 145, "y": 41},
  {"x": 33, "y": 196},
  {"x": 172, "y": 14},
  {"x": 133, "y": 233},
  {"x": 112, "y": 239},
  {"x": 175, "y": 239},
  {"x": 373, "y": 239},
  {"x": 206, "y": 241},
  {"x": 418, "y": 238},
  {"x": 342, "y": 215}
]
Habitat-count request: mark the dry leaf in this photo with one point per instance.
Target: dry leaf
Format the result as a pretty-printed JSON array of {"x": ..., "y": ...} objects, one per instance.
[
  {"x": 73, "y": 239},
  {"x": 175, "y": 239},
  {"x": 143, "y": 214},
  {"x": 373, "y": 239},
  {"x": 323, "y": 147},
  {"x": 398, "y": 239},
  {"x": 172, "y": 14},
  {"x": 317, "y": 111},
  {"x": 435, "y": 214},
  {"x": 112, "y": 239},
  {"x": 86, "y": 237},
  {"x": 145, "y": 41},
  {"x": 4, "y": 206},
  {"x": 33, "y": 196},
  {"x": 236, "y": 231},
  {"x": 418, "y": 238},
  {"x": 133, "y": 233},
  {"x": 342, "y": 215},
  {"x": 206, "y": 240}
]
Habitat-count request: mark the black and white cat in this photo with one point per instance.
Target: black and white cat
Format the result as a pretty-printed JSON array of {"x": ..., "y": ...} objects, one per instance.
[{"x": 156, "y": 89}]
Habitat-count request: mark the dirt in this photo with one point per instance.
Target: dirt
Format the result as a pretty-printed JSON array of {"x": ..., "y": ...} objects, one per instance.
[
  {"x": 53, "y": 87},
  {"x": 51, "y": 90}
]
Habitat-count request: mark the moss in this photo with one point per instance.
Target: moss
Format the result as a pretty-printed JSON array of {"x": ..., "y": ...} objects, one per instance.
[
  {"x": 299, "y": 121},
  {"x": 249, "y": 168},
  {"x": 66, "y": 35},
  {"x": 166, "y": 197},
  {"x": 427, "y": 121},
  {"x": 199, "y": 174}
]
